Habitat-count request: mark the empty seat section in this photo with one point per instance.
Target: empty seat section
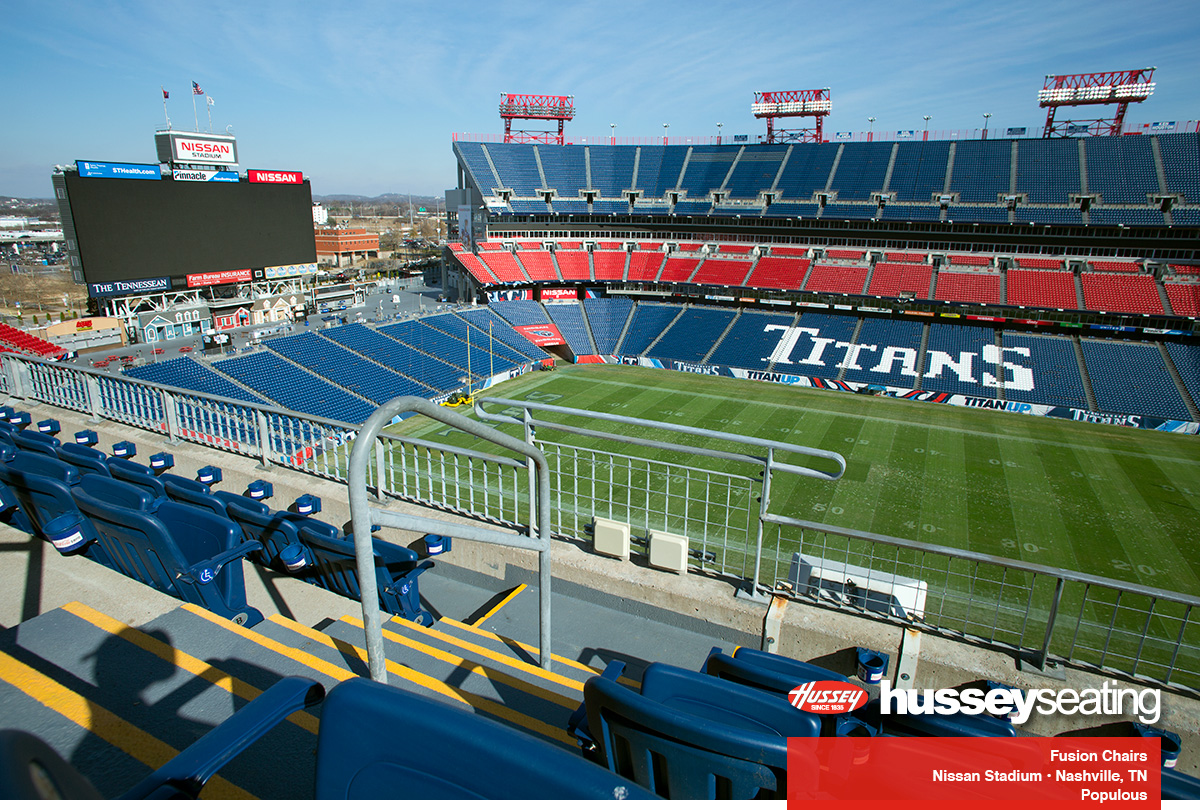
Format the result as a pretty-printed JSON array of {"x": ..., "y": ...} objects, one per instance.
[
  {"x": 751, "y": 341},
  {"x": 432, "y": 376},
  {"x": 561, "y": 206},
  {"x": 837, "y": 279},
  {"x": 1184, "y": 298},
  {"x": 685, "y": 207},
  {"x": 797, "y": 210},
  {"x": 610, "y": 206},
  {"x": 658, "y": 169},
  {"x": 478, "y": 270},
  {"x": 919, "y": 171},
  {"x": 728, "y": 272},
  {"x": 911, "y": 213},
  {"x": 1132, "y": 378},
  {"x": 517, "y": 167},
  {"x": 489, "y": 320},
  {"x": 816, "y": 354},
  {"x": 573, "y": 264},
  {"x": 483, "y": 336},
  {"x": 895, "y": 280},
  {"x": 538, "y": 265},
  {"x": 344, "y": 367},
  {"x": 564, "y": 168},
  {"x": 521, "y": 313},
  {"x": 887, "y": 353},
  {"x": 862, "y": 169},
  {"x": 778, "y": 273},
  {"x": 294, "y": 388},
  {"x": 1120, "y": 169},
  {"x": 1187, "y": 363},
  {"x": 568, "y": 317},
  {"x": 472, "y": 157},
  {"x": 849, "y": 211},
  {"x": 1111, "y": 266},
  {"x": 1054, "y": 377},
  {"x": 1057, "y": 215},
  {"x": 1118, "y": 292},
  {"x": 1048, "y": 169},
  {"x": 612, "y": 169},
  {"x": 976, "y": 213},
  {"x": 610, "y": 264},
  {"x": 1042, "y": 288},
  {"x": 954, "y": 361},
  {"x": 969, "y": 260},
  {"x": 504, "y": 266},
  {"x": 649, "y": 321},
  {"x": 644, "y": 265},
  {"x": 755, "y": 170},
  {"x": 1181, "y": 164},
  {"x": 706, "y": 169},
  {"x": 972, "y": 288},
  {"x": 1103, "y": 215},
  {"x": 807, "y": 171},
  {"x": 678, "y": 268},
  {"x": 693, "y": 335},
  {"x": 981, "y": 173},
  {"x": 607, "y": 318},
  {"x": 427, "y": 340},
  {"x": 184, "y": 372}
]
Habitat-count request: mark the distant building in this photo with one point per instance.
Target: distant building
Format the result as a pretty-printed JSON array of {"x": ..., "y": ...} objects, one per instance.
[
  {"x": 351, "y": 244},
  {"x": 320, "y": 214}
]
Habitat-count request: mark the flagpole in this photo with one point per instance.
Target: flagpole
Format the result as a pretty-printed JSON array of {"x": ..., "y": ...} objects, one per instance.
[
  {"x": 195, "y": 116},
  {"x": 209, "y": 103},
  {"x": 164, "y": 95}
]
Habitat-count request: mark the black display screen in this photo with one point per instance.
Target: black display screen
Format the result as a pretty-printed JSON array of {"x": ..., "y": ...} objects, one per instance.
[{"x": 133, "y": 229}]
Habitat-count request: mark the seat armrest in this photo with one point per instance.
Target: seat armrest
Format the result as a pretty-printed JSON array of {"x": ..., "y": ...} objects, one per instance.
[{"x": 206, "y": 570}]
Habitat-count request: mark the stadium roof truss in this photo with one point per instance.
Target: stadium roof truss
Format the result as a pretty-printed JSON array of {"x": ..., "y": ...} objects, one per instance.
[
  {"x": 1119, "y": 87},
  {"x": 537, "y": 108},
  {"x": 792, "y": 104}
]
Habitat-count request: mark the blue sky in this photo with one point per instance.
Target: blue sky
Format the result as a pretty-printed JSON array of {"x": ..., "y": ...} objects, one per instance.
[{"x": 363, "y": 96}]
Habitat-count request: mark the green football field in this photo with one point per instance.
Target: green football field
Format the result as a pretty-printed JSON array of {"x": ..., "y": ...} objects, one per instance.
[{"x": 1114, "y": 502}]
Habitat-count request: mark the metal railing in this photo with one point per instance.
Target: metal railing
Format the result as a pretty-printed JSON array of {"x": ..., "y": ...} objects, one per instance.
[{"x": 724, "y": 508}]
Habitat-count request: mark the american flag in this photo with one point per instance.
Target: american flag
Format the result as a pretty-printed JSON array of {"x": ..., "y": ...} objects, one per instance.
[{"x": 196, "y": 91}]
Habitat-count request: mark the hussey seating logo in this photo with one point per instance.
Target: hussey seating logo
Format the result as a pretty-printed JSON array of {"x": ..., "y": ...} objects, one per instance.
[{"x": 828, "y": 697}]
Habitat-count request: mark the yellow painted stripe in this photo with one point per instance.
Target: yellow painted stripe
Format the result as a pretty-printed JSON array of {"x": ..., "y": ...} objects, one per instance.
[
  {"x": 299, "y": 656},
  {"x": 473, "y": 666},
  {"x": 184, "y": 661},
  {"x": 484, "y": 652},
  {"x": 94, "y": 718},
  {"x": 477, "y": 702},
  {"x": 496, "y": 609},
  {"x": 529, "y": 648}
]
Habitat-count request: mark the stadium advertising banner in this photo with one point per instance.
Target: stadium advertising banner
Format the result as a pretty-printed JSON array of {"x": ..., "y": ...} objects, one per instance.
[
  {"x": 110, "y": 289},
  {"x": 555, "y": 294},
  {"x": 128, "y": 171},
  {"x": 220, "y": 277},
  {"x": 211, "y": 149},
  {"x": 204, "y": 175},
  {"x": 541, "y": 334},
  {"x": 510, "y": 295},
  {"x": 265, "y": 176},
  {"x": 289, "y": 270}
]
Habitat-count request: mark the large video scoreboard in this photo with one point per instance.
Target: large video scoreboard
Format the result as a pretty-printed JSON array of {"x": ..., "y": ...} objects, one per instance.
[{"x": 137, "y": 228}]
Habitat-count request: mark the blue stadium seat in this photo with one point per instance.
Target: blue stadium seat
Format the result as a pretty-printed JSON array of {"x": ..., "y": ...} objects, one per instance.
[
  {"x": 36, "y": 442},
  {"x": 686, "y": 735},
  {"x": 178, "y": 549},
  {"x": 131, "y": 472},
  {"x": 317, "y": 553},
  {"x": 42, "y": 486},
  {"x": 85, "y": 459}
]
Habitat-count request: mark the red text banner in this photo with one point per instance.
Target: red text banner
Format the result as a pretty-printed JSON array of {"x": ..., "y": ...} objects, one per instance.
[
  {"x": 1023, "y": 773},
  {"x": 542, "y": 334},
  {"x": 265, "y": 176}
]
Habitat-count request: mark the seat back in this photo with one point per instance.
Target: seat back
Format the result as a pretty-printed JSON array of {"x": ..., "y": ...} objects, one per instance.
[
  {"x": 460, "y": 755},
  {"x": 137, "y": 474},
  {"x": 36, "y": 442},
  {"x": 267, "y": 527},
  {"x": 775, "y": 673},
  {"x": 41, "y": 485},
  {"x": 86, "y": 459},
  {"x": 170, "y": 549},
  {"x": 185, "y": 490},
  {"x": 689, "y": 736}
]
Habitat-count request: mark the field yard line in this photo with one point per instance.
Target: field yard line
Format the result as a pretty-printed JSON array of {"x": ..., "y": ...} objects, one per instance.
[{"x": 945, "y": 428}]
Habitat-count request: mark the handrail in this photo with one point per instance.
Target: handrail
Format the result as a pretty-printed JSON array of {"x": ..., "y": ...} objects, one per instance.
[{"x": 363, "y": 515}]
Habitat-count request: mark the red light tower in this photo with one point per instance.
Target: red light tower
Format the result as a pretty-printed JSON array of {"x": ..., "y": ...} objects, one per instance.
[
  {"x": 791, "y": 104},
  {"x": 1118, "y": 87},
  {"x": 541, "y": 108}
]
